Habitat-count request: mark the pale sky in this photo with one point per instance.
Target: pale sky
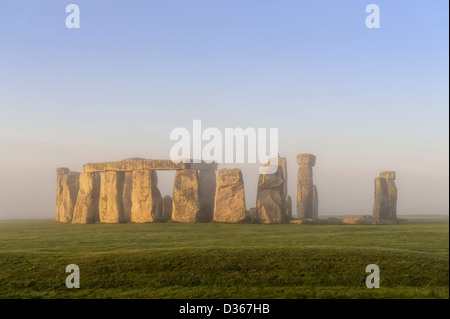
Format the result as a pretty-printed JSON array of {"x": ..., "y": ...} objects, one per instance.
[{"x": 362, "y": 100}]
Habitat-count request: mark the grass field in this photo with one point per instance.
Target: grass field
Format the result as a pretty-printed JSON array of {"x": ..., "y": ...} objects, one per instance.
[{"x": 211, "y": 260}]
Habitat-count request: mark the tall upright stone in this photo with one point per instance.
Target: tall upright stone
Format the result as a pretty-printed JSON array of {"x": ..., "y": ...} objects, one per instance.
[
  {"x": 315, "y": 212},
  {"x": 270, "y": 199},
  {"x": 147, "y": 203},
  {"x": 86, "y": 208},
  {"x": 389, "y": 176},
  {"x": 60, "y": 172},
  {"x": 381, "y": 200},
  {"x": 207, "y": 193},
  {"x": 167, "y": 208},
  {"x": 288, "y": 208},
  {"x": 186, "y": 197},
  {"x": 282, "y": 163},
  {"x": 111, "y": 206},
  {"x": 68, "y": 196},
  {"x": 305, "y": 188},
  {"x": 126, "y": 196},
  {"x": 229, "y": 205}
]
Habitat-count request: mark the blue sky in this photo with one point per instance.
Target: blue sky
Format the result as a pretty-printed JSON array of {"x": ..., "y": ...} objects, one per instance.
[{"x": 363, "y": 100}]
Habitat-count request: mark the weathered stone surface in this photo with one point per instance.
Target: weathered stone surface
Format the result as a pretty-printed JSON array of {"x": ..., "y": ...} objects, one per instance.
[
  {"x": 317, "y": 221},
  {"x": 367, "y": 220},
  {"x": 229, "y": 206},
  {"x": 207, "y": 193},
  {"x": 68, "y": 196},
  {"x": 307, "y": 221},
  {"x": 134, "y": 164},
  {"x": 186, "y": 197},
  {"x": 392, "y": 193},
  {"x": 86, "y": 208},
  {"x": 381, "y": 200},
  {"x": 388, "y": 175},
  {"x": 282, "y": 163},
  {"x": 62, "y": 171},
  {"x": 315, "y": 208},
  {"x": 59, "y": 174},
  {"x": 288, "y": 208},
  {"x": 270, "y": 202},
  {"x": 252, "y": 216},
  {"x": 305, "y": 186},
  {"x": 126, "y": 196},
  {"x": 111, "y": 206},
  {"x": 306, "y": 159},
  {"x": 147, "y": 202},
  {"x": 167, "y": 208}
]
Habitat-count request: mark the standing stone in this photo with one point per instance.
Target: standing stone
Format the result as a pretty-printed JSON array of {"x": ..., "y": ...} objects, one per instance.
[
  {"x": 305, "y": 184},
  {"x": 167, "y": 208},
  {"x": 315, "y": 213},
  {"x": 207, "y": 192},
  {"x": 60, "y": 172},
  {"x": 86, "y": 208},
  {"x": 147, "y": 203},
  {"x": 288, "y": 208},
  {"x": 68, "y": 196},
  {"x": 282, "y": 163},
  {"x": 111, "y": 206},
  {"x": 186, "y": 198},
  {"x": 126, "y": 196},
  {"x": 252, "y": 216},
  {"x": 229, "y": 206},
  {"x": 392, "y": 193},
  {"x": 381, "y": 201},
  {"x": 270, "y": 202}
]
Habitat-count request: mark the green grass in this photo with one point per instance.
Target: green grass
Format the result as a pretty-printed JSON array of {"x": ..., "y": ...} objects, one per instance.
[{"x": 211, "y": 260}]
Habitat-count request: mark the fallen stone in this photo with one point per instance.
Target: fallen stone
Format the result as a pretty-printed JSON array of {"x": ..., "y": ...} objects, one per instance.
[{"x": 366, "y": 220}]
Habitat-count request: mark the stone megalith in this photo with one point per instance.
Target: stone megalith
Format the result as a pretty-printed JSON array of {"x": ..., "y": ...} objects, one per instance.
[
  {"x": 229, "y": 205},
  {"x": 207, "y": 193},
  {"x": 252, "y": 216},
  {"x": 288, "y": 214},
  {"x": 305, "y": 188},
  {"x": 147, "y": 203},
  {"x": 60, "y": 172},
  {"x": 315, "y": 212},
  {"x": 392, "y": 193},
  {"x": 86, "y": 207},
  {"x": 282, "y": 163},
  {"x": 167, "y": 208},
  {"x": 270, "y": 201},
  {"x": 381, "y": 200},
  {"x": 111, "y": 206},
  {"x": 68, "y": 196},
  {"x": 126, "y": 196},
  {"x": 186, "y": 198}
]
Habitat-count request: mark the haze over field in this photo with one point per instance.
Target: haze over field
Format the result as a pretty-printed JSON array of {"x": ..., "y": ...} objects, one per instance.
[{"x": 362, "y": 100}]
